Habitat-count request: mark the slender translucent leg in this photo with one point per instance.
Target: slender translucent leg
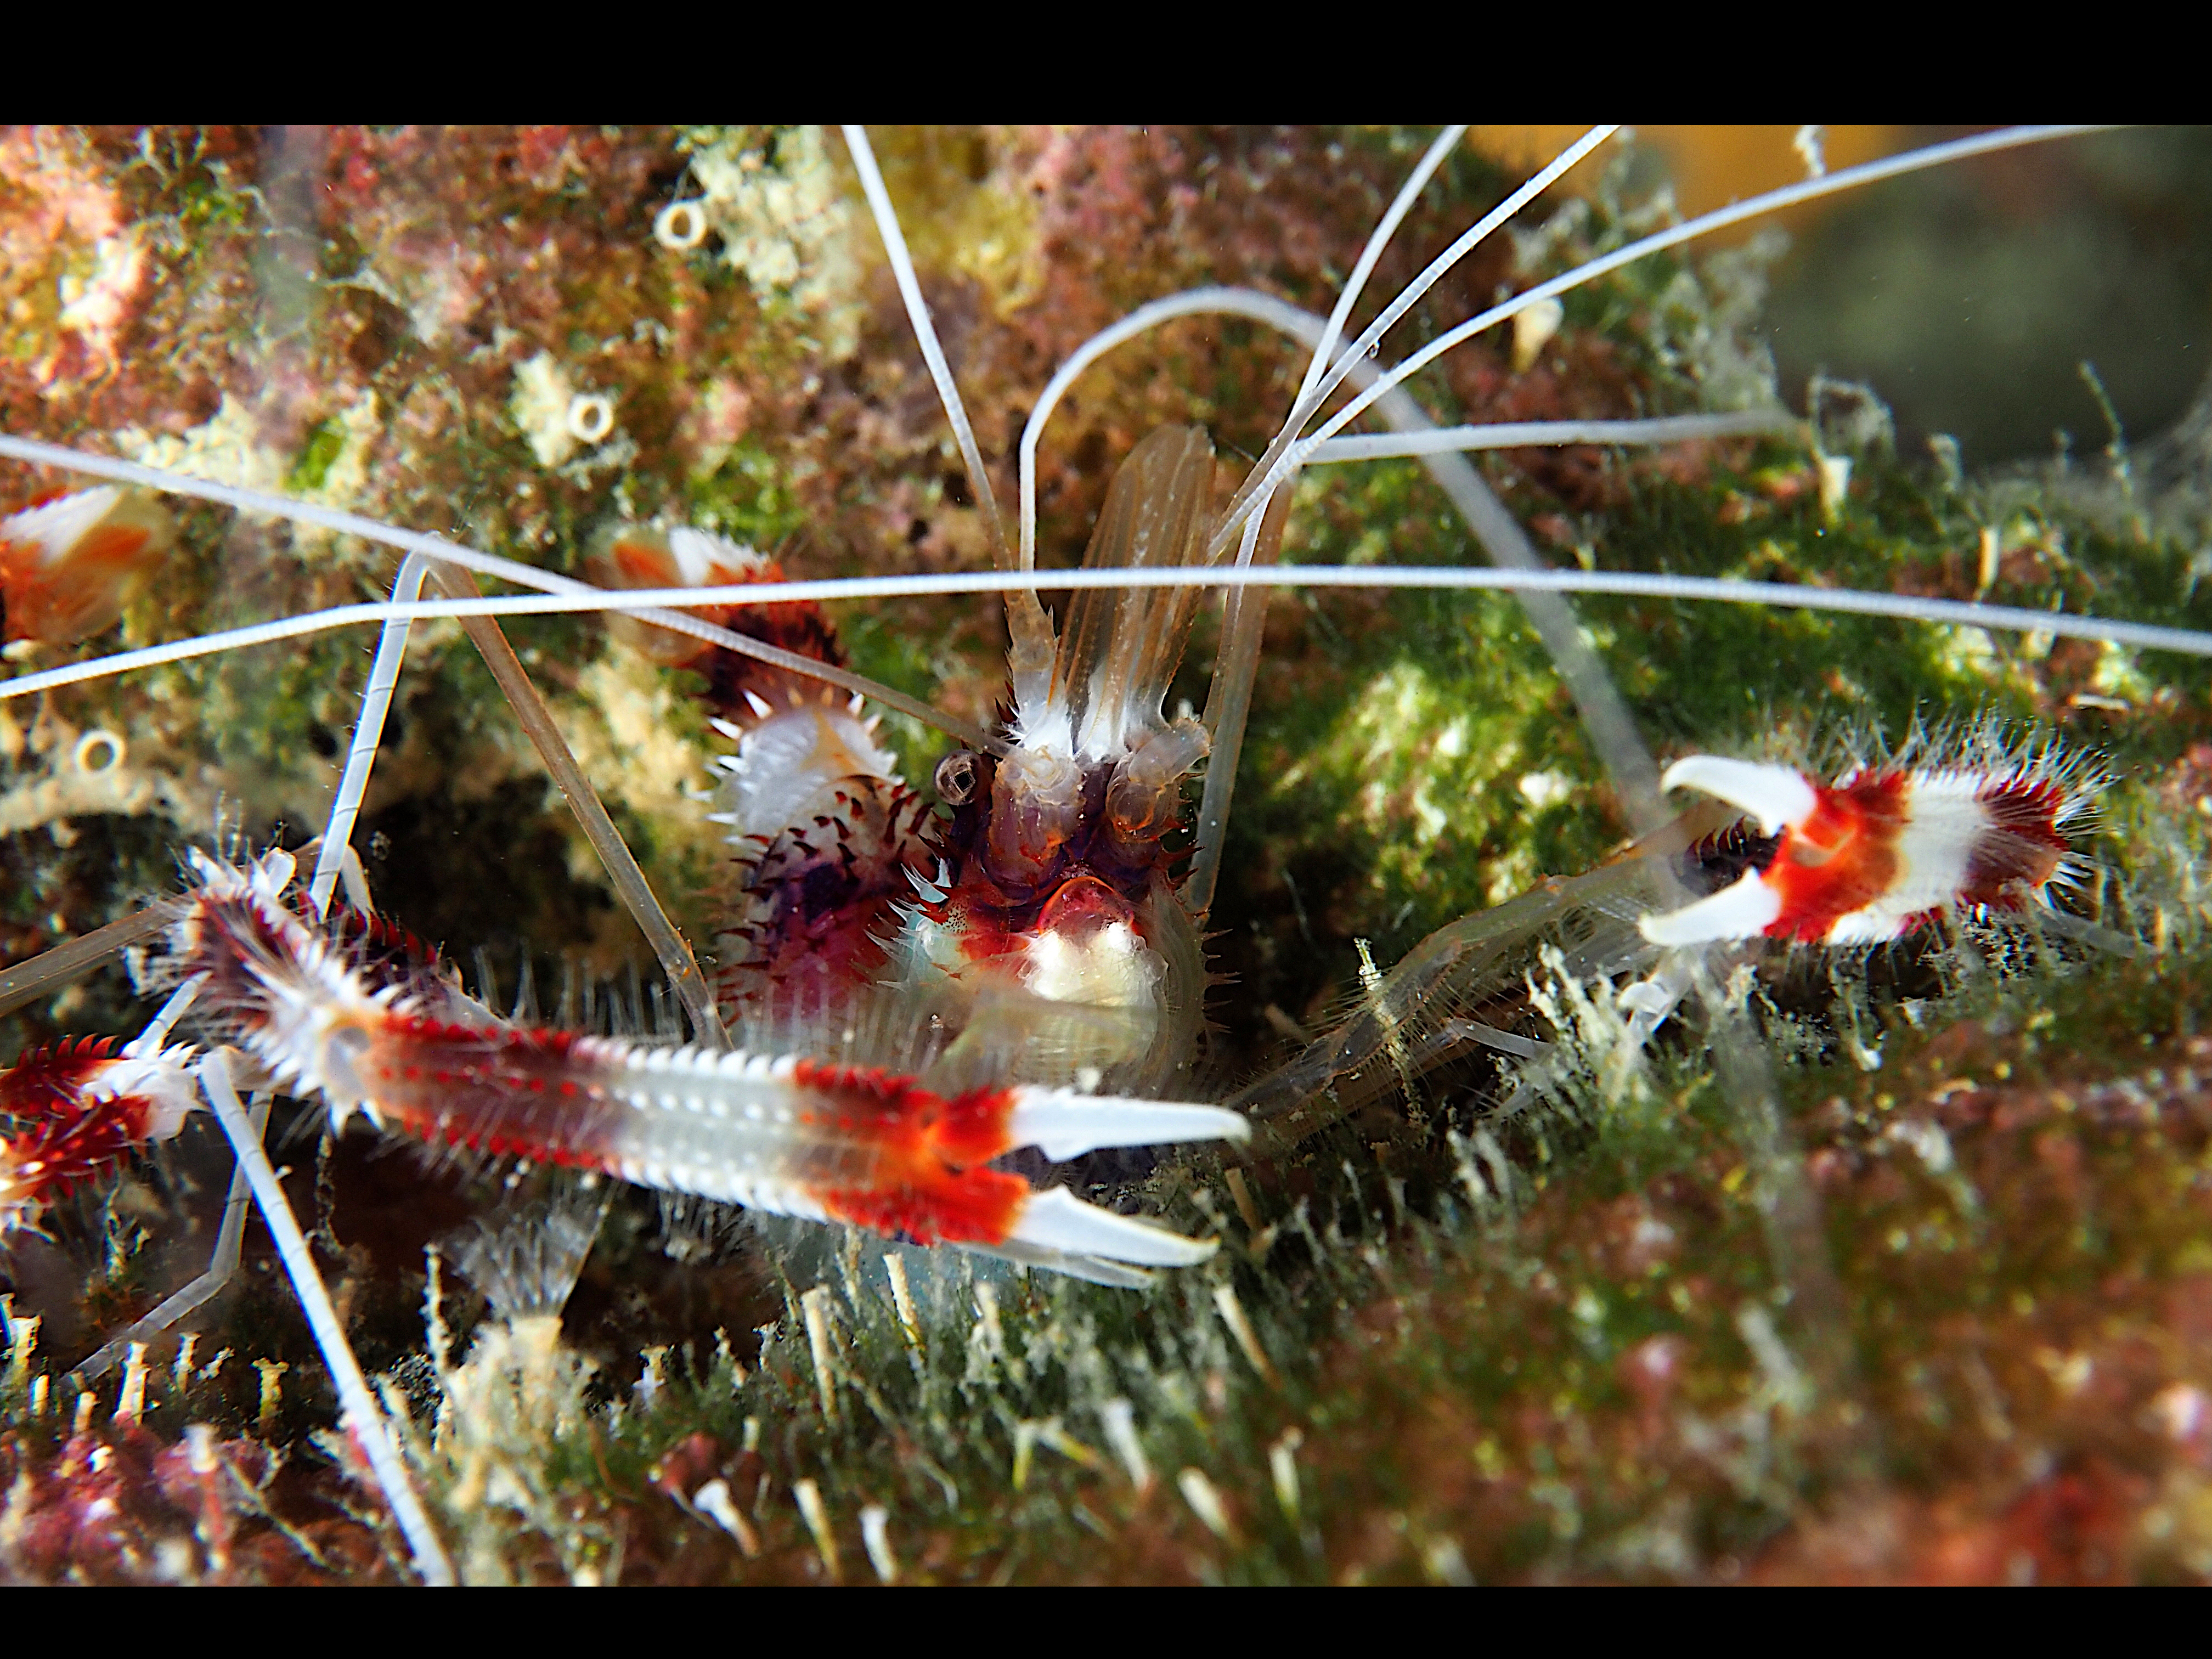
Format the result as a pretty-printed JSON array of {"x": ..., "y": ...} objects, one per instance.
[
  {"x": 1438, "y": 984},
  {"x": 675, "y": 958},
  {"x": 157, "y": 1035},
  {"x": 338, "y": 860},
  {"x": 1229, "y": 705},
  {"x": 1377, "y": 239},
  {"x": 367, "y": 733},
  {"x": 630, "y": 882},
  {"x": 361, "y": 1415},
  {"x": 221, "y": 1265},
  {"x": 46, "y": 972}
]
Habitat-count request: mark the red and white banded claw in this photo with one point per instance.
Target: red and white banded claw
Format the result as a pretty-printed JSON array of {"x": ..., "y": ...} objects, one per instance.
[
  {"x": 80, "y": 1109},
  {"x": 1882, "y": 851},
  {"x": 66, "y": 563},
  {"x": 784, "y": 1134}
]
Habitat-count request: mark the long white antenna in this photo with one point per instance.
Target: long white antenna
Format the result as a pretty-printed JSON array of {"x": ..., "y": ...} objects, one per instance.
[
  {"x": 1268, "y": 476},
  {"x": 361, "y": 1414},
  {"x": 925, "y": 334},
  {"x": 1543, "y": 435},
  {"x": 488, "y": 564},
  {"x": 1284, "y": 454},
  {"x": 1965, "y": 613},
  {"x": 1409, "y": 193}
]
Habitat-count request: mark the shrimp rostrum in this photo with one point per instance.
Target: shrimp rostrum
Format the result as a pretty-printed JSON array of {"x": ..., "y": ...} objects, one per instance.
[{"x": 900, "y": 996}]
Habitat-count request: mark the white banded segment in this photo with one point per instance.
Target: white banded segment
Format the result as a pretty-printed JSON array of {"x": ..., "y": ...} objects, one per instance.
[
  {"x": 735, "y": 1127},
  {"x": 1063, "y": 1124},
  {"x": 1055, "y": 1219}
]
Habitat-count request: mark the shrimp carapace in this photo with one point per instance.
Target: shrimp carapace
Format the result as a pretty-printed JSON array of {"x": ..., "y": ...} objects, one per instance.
[{"x": 1053, "y": 918}]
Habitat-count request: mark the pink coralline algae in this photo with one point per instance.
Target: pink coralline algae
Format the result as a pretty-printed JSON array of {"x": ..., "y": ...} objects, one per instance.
[{"x": 71, "y": 259}]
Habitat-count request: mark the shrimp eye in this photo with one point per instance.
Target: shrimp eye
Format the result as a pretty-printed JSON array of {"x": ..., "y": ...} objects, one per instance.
[{"x": 955, "y": 778}]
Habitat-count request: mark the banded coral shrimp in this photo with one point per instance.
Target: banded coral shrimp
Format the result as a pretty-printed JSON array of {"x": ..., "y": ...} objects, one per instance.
[{"x": 587, "y": 397}]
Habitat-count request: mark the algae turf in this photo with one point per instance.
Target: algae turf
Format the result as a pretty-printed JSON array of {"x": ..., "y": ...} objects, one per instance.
[
  {"x": 1579, "y": 1356},
  {"x": 1911, "y": 1282}
]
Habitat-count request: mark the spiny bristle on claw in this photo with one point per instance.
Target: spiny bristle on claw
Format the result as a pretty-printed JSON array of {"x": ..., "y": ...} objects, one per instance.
[{"x": 1887, "y": 847}]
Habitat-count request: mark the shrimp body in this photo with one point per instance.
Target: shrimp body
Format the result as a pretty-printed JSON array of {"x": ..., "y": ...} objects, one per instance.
[
  {"x": 1040, "y": 928},
  {"x": 980, "y": 980}
]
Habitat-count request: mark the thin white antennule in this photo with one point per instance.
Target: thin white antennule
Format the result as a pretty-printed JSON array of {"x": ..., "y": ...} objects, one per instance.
[
  {"x": 1409, "y": 193},
  {"x": 1270, "y": 473},
  {"x": 1605, "y": 715},
  {"x": 1231, "y": 302},
  {"x": 1199, "y": 301},
  {"x": 925, "y": 334},
  {"x": 487, "y": 564},
  {"x": 2185, "y": 642},
  {"x": 1611, "y": 728},
  {"x": 1539, "y": 434},
  {"x": 1305, "y": 327},
  {"x": 1287, "y": 453}
]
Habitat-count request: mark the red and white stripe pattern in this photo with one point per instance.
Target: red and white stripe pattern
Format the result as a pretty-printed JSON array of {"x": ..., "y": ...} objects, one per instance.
[
  {"x": 1885, "y": 849},
  {"x": 79, "y": 1109},
  {"x": 776, "y": 1133},
  {"x": 66, "y": 562}
]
